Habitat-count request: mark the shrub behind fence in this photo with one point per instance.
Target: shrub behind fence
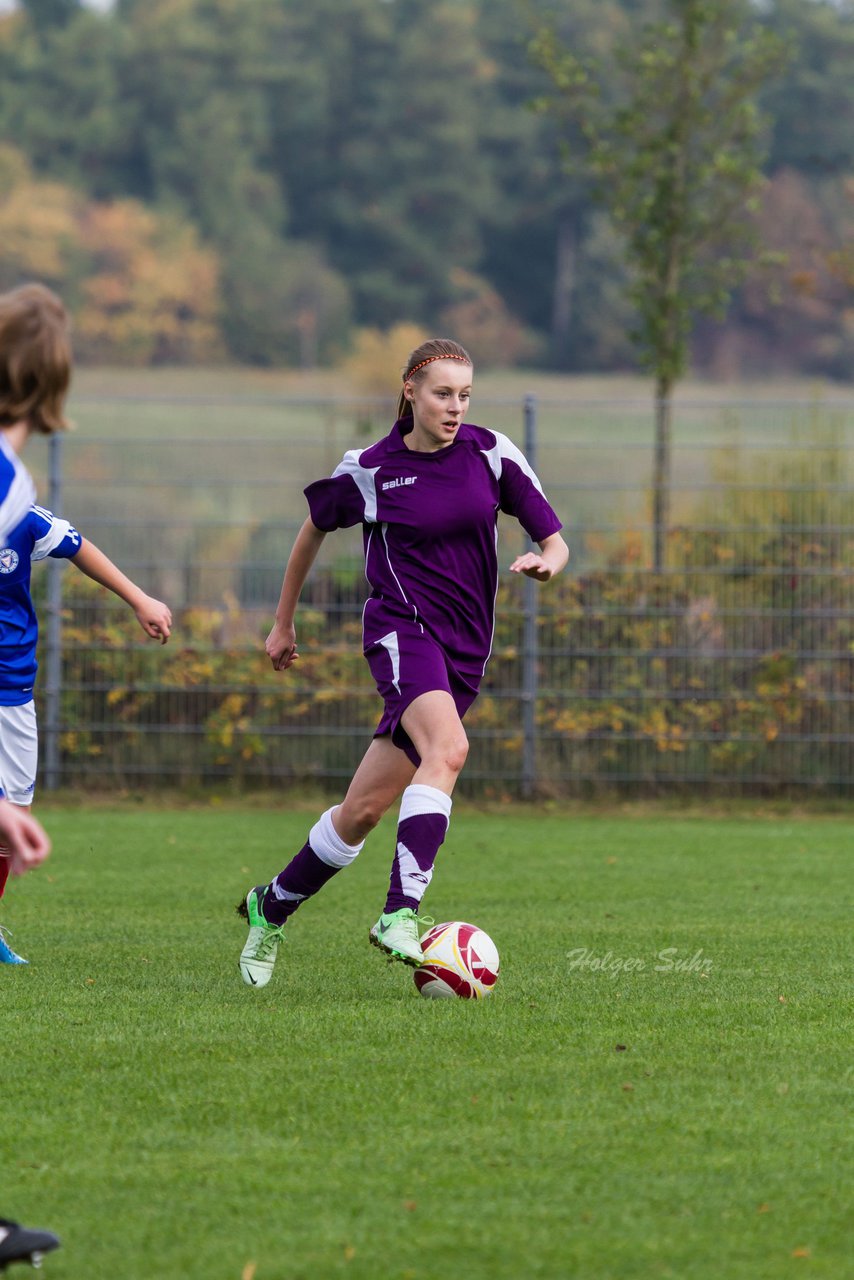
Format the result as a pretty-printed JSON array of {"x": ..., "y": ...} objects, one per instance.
[{"x": 733, "y": 668}]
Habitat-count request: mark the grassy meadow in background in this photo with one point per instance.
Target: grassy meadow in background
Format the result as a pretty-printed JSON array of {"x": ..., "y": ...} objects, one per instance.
[
  {"x": 165, "y": 403},
  {"x": 659, "y": 1087},
  {"x": 229, "y": 450}
]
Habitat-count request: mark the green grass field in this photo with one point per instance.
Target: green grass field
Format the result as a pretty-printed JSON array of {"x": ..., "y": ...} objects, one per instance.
[{"x": 602, "y": 1115}]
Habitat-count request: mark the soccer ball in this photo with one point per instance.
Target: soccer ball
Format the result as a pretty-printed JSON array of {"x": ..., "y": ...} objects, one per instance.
[{"x": 459, "y": 960}]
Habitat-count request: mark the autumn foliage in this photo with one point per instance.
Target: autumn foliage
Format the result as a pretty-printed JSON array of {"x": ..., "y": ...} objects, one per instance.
[{"x": 139, "y": 284}]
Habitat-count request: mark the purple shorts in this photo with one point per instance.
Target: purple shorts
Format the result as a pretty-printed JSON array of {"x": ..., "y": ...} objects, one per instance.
[{"x": 406, "y": 663}]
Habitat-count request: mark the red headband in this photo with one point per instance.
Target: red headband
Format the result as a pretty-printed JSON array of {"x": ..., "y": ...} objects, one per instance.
[{"x": 430, "y": 360}]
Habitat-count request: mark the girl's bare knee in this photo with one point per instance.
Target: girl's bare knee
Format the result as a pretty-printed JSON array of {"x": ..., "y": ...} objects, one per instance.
[
  {"x": 458, "y": 755},
  {"x": 451, "y": 754},
  {"x": 355, "y": 819}
]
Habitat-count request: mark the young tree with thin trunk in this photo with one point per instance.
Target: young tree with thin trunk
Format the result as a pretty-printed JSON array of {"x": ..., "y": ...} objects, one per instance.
[{"x": 674, "y": 140}]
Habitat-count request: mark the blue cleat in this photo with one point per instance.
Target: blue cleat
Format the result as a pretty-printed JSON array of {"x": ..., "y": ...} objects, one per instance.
[{"x": 7, "y": 955}]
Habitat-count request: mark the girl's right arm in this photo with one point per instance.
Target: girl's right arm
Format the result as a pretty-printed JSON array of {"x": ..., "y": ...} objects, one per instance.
[{"x": 281, "y": 643}]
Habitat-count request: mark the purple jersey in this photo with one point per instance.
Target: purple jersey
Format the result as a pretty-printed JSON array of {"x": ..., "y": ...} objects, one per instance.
[{"x": 430, "y": 532}]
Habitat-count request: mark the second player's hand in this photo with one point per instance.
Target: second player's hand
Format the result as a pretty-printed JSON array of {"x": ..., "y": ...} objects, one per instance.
[
  {"x": 533, "y": 566},
  {"x": 155, "y": 618},
  {"x": 281, "y": 647},
  {"x": 26, "y": 839}
]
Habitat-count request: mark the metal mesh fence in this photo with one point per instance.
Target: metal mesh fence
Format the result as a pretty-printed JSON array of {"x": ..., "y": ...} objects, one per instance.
[{"x": 731, "y": 668}]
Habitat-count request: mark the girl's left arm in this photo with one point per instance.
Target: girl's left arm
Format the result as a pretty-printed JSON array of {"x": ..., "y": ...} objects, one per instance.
[
  {"x": 153, "y": 615},
  {"x": 554, "y": 554}
]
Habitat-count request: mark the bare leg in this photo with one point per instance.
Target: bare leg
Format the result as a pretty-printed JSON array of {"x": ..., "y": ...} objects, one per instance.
[
  {"x": 434, "y": 725},
  {"x": 334, "y": 841},
  {"x": 377, "y": 783}
]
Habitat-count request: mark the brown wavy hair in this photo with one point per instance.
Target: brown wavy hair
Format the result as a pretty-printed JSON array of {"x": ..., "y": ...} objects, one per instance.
[
  {"x": 35, "y": 359},
  {"x": 433, "y": 349}
]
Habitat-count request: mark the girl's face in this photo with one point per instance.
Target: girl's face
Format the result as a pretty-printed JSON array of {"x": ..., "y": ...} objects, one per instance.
[{"x": 439, "y": 401}]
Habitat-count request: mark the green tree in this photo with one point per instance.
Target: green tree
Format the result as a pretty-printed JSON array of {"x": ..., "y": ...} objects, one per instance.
[
  {"x": 283, "y": 303},
  {"x": 64, "y": 101},
  {"x": 537, "y": 232},
  {"x": 676, "y": 156},
  {"x": 375, "y": 143},
  {"x": 51, "y": 13},
  {"x": 811, "y": 104},
  {"x": 205, "y": 74}
]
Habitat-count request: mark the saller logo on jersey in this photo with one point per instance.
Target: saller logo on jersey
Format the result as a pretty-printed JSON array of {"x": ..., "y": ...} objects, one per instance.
[
  {"x": 8, "y": 560},
  {"x": 398, "y": 484}
]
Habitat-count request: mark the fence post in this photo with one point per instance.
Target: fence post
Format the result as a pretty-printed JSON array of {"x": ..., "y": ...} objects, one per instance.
[
  {"x": 530, "y": 651},
  {"x": 53, "y": 629}
]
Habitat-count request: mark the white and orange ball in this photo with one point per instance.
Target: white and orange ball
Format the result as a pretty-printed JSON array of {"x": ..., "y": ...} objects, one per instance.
[{"x": 459, "y": 960}]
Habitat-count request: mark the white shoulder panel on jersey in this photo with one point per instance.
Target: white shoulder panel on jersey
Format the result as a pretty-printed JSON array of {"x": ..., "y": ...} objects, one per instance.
[
  {"x": 54, "y": 533},
  {"x": 505, "y": 448},
  {"x": 365, "y": 478},
  {"x": 18, "y": 498}
]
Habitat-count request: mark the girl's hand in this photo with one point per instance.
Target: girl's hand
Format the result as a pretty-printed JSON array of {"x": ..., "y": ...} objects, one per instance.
[
  {"x": 281, "y": 646},
  {"x": 155, "y": 618},
  {"x": 26, "y": 841},
  {"x": 533, "y": 566}
]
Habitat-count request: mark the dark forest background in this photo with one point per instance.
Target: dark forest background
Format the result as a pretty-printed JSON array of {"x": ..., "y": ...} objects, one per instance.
[{"x": 261, "y": 181}]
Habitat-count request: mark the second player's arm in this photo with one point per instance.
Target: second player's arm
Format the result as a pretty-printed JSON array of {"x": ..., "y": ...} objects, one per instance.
[
  {"x": 153, "y": 615},
  {"x": 281, "y": 643}
]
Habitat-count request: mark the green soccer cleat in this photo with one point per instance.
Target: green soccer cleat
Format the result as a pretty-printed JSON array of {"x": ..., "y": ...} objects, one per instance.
[
  {"x": 259, "y": 954},
  {"x": 397, "y": 935}
]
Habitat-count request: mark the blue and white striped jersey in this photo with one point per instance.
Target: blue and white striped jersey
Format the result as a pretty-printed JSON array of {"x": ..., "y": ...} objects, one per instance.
[
  {"x": 17, "y": 491},
  {"x": 38, "y": 535}
]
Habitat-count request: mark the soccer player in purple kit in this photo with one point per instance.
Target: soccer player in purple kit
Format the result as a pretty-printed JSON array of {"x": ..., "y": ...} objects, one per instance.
[{"x": 428, "y": 497}]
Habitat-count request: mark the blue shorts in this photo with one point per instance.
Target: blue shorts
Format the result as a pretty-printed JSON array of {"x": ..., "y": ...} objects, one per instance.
[{"x": 405, "y": 663}]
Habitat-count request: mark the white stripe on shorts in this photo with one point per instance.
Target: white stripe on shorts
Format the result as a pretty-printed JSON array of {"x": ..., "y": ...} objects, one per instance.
[{"x": 389, "y": 643}]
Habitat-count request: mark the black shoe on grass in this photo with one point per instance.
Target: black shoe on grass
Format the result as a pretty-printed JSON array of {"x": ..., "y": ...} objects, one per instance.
[{"x": 20, "y": 1244}]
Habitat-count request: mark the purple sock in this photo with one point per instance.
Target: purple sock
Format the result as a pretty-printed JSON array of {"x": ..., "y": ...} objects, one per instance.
[
  {"x": 424, "y": 816},
  {"x": 324, "y": 854},
  {"x": 304, "y": 875}
]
